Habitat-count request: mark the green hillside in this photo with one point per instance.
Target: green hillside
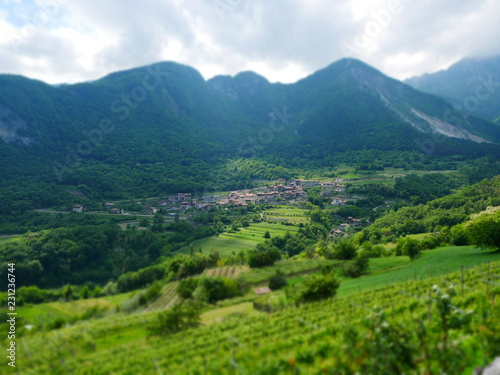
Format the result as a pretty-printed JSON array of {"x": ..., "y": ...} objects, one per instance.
[
  {"x": 447, "y": 211},
  {"x": 163, "y": 129},
  {"x": 412, "y": 327},
  {"x": 469, "y": 84}
]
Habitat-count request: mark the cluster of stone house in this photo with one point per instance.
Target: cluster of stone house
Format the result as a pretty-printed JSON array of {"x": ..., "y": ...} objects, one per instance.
[
  {"x": 337, "y": 201},
  {"x": 176, "y": 199},
  {"x": 326, "y": 187},
  {"x": 340, "y": 231},
  {"x": 272, "y": 194},
  {"x": 112, "y": 209},
  {"x": 282, "y": 190}
]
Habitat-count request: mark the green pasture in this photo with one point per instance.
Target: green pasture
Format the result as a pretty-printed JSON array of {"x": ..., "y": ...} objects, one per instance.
[
  {"x": 431, "y": 263},
  {"x": 242, "y": 240}
]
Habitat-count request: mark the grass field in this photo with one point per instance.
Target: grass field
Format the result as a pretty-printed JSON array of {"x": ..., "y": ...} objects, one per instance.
[
  {"x": 387, "y": 176},
  {"x": 218, "y": 315},
  {"x": 287, "y": 267},
  {"x": 242, "y": 240},
  {"x": 48, "y": 311},
  {"x": 435, "y": 262},
  {"x": 286, "y": 213},
  {"x": 230, "y": 272}
]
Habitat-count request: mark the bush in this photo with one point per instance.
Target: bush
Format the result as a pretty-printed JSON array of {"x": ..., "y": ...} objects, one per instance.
[
  {"x": 315, "y": 288},
  {"x": 357, "y": 267},
  {"x": 56, "y": 323},
  {"x": 33, "y": 294},
  {"x": 484, "y": 231},
  {"x": 187, "y": 287},
  {"x": 429, "y": 243},
  {"x": 176, "y": 319},
  {"x": 277, "y": 281},
  {"x": 272, "y": 302},
  {"x": 213, "y": 289},
  {"x": 263, "y": 256},
  {"x": 370, "y": 250},
  {"x": 459, "y": 236},
  {"x": 345, "y": 250},
  {"x": 408, "y": 246},
  {"x": 153, "y": 291},
  {"x": 85, "y": 292}
]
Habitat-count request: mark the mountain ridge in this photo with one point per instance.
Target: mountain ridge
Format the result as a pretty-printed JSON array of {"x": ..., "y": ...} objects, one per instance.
[
  {"x": 166, "y": 123},
  {"x": 471, "y": 85}
]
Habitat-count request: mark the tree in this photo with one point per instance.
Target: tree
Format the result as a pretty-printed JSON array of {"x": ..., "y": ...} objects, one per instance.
[
  {"x": 144, "y": 222},
  {"x": 409, "y": 246},
  {"x": 459, "y": 236},
  {"x": 263, "y": 256},
  {"x": 213, "y": 289},
  {"x": 67, "y": 292},
  {"x": 345, "y": 250},
  {"x": 267, "y": 234},
  {"x": 187, "y": 287},
  {"x": 277, "y": 281},
  {"x": 85, "y": 292},
  {"x": 357, "y": 267},
  {"x": 294, "y": 246},
  {"x": 484, "y": 231},
  {"x": 176, "y": 319},
  {"x": 317, "y": 287}
]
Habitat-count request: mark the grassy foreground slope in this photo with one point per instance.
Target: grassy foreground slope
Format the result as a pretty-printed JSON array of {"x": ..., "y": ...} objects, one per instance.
[
  {"x": 384, "y": 271},
  {"x": 400, "y": 328}
]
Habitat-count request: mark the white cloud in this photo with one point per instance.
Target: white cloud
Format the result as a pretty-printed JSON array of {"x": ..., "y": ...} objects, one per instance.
[{"x": 283, "y": 40}]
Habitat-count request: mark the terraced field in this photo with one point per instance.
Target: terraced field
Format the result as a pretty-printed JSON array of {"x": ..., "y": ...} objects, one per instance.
[
  {"x": 231, "y": 272},
  {"x": 242, "y": 240},
  {"x": 167, "y": 299},
  {"x": 286, "y": 214}
]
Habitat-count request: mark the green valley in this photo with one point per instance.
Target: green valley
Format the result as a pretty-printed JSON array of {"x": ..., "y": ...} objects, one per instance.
[{"x": 341, "y": 224}]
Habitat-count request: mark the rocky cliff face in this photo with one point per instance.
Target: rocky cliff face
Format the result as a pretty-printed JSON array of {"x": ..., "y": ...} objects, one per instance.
[{"x": 12, "y": 126}]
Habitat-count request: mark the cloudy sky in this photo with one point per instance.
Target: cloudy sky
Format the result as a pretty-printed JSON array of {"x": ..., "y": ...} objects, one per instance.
[{"x": 284, "y": 40}]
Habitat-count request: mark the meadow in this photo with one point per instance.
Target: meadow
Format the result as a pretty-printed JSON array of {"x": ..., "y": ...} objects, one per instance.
[{"x": 241, "y": 240}]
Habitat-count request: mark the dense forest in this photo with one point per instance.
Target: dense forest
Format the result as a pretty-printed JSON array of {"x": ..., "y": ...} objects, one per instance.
[{"x": 192, "y": 135}]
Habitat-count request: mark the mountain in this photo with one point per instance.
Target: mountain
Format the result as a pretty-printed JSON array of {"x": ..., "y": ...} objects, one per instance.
[
  {"x": 163, "y": 128},
  {"x": 472, "y": 85}
]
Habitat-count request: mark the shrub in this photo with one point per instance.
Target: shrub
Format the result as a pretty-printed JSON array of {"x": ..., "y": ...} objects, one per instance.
[
  {"x": 263, "y": 256},
  {"x": 408, "y": 246},
  {"x": 213, "y": 289},
  {"x": 459, "y": 236},
  {"x": 277, "y": 281},
  {"x": 345, "y": 250},
  {"x": 357, "y": 267},
  {"x": 33, "y": 294},
  {"x": 187, "y": 287},
  {"x": 484, "y": 231},
  {"x": 316, "y": 287},
  {"x": 85, "y": 292},
  {"x": 272, "y": 302},
  {"x": 372, "y": 251},
  {"x": 176, "y": 319},
  {"x": 153, "y": 291}
]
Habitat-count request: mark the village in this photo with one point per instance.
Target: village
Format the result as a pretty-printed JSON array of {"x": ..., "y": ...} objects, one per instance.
[{"x": 282, "y": 192}]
